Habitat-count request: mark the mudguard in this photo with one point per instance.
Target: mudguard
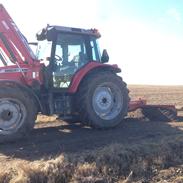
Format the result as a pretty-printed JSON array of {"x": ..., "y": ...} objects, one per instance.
[
  {"x": 14, "y": 83},
  {"x": 87, "y": 69}
]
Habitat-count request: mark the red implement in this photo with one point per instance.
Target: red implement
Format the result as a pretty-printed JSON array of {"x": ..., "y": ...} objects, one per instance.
[{"x": 154, "y": 112}]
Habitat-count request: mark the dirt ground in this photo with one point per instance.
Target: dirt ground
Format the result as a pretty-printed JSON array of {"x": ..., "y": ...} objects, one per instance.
[{"x": 52, "y": 137}]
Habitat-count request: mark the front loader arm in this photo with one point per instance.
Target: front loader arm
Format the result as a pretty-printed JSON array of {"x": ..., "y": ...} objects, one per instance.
[
  {"x": 7, "y": 48},
  {"x": 12, "y": 41}
]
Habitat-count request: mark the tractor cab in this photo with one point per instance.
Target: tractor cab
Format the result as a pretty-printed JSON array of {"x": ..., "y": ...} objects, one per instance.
[{"x": 65, "y": 50}]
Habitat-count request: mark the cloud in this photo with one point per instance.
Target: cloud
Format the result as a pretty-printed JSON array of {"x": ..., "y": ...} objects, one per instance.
[{"x": 173, "y": 12}]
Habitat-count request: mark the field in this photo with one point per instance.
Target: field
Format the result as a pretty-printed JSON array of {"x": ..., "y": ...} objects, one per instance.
[{"x": 137, "y": 151}]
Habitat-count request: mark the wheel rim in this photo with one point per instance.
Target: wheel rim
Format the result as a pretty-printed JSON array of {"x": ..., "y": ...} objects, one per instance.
[
  {"x": 12, "y": 115},
  {"x": 107, "y": 102}
]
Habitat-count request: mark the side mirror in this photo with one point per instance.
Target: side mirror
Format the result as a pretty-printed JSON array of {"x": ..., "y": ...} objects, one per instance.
[{"x": 105, "y": 56}]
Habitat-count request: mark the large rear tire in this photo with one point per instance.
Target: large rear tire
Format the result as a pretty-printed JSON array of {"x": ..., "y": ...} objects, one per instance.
[
  {"x": 17, "y": 113},
  {"x": 103, "y": 100}
]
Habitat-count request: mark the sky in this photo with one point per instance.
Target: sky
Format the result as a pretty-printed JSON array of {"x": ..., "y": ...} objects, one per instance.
[{"x": 144, "y": 37}]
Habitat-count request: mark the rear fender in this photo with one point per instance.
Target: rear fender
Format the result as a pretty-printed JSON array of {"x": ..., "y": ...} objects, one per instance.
[
  {"x": 88, "y": 69},
  {"x": 12, "y": 83}
]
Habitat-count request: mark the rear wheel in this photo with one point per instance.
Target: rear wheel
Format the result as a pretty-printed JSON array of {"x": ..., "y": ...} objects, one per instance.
[
  {"x": 103, "y": 100},
  {"x": 17, "y": 113}
]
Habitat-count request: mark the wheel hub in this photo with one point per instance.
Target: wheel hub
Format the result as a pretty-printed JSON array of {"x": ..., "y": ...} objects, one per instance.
[
  {"x": 6, "y": 115},
  {"x": 12, "y": 113},
  {"x": 106, "y": 102},
  {"x": 103, "y": 99}
]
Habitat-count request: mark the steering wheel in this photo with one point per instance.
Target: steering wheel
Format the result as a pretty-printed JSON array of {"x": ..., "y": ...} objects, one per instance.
[{"x": 58, "y": 58}]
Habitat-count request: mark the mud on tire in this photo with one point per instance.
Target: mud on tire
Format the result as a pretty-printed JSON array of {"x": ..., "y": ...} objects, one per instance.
[
  {"x": 17, "y": 113},
  {"x": 103, "y": 100}
]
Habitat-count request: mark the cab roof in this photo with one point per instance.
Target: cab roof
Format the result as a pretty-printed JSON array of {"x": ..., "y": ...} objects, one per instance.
[{"x": 54, "y": 29}]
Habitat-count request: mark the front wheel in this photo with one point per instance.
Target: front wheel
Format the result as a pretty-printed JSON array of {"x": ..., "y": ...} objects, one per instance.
[
  {"x": 103, "y": 99},
  {"x": 17, "y": 113}
]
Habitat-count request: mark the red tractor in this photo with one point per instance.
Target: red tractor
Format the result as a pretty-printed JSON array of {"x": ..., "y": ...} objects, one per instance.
[{"x": 67, "y": 77}]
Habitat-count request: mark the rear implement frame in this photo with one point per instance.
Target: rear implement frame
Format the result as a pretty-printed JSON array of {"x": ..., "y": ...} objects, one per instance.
[{"x": 154, "y": 112}]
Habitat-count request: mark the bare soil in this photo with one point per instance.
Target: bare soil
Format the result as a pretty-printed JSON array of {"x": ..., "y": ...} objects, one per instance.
[{"x": 136, "y": 151}]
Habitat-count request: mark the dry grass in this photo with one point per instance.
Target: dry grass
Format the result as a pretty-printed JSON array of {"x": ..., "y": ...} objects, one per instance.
[{"x": 109, "y": 164}]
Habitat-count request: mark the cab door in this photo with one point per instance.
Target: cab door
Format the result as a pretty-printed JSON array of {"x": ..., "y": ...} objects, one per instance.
[{"x": 70, "y": 55}]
